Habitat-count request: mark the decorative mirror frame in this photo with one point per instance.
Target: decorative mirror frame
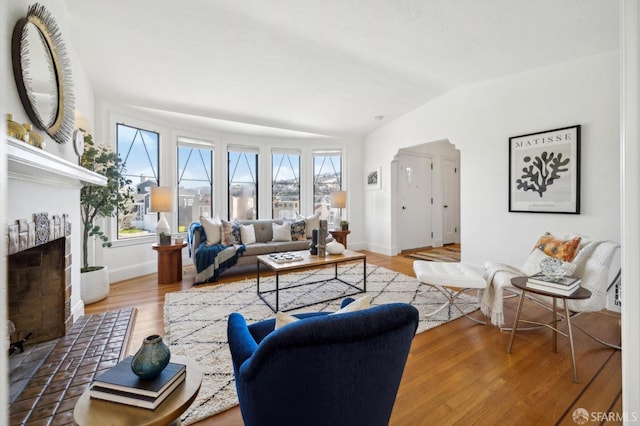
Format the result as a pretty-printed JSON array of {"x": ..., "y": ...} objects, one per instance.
[{"x": 63, "y": 124}]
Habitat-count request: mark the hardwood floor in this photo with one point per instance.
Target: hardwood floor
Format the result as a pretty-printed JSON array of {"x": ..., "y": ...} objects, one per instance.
[{"x": 458, "y": 373}]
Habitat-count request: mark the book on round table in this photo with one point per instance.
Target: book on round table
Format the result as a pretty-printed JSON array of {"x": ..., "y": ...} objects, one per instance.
[
  {"x": 559, "y": 291},
  {"x": 120, "y": 377},
  {"x": 560, "y": 283},
  {"x": 134, "y": 399}
]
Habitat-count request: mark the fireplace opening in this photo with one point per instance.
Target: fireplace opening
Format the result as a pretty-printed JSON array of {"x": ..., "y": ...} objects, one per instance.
[{"x": 39, "y": 292}]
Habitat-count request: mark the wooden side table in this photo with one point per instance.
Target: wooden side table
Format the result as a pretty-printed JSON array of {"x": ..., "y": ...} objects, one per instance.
[
  {"x": 580, "y": 293},
  {"x": 169, "y": 262},
  {"x": 96, "y": 412},
  {"x": 340, "y": 236}
]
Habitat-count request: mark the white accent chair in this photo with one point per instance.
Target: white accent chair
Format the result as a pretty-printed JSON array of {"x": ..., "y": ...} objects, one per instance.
[
  {"x": 595, "y": 263},
  {"x": 442, "y": 275}
]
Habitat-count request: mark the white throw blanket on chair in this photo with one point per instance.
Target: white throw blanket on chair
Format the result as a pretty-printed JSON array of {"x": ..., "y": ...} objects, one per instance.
[
  {"x": 492, "y": 296},
  {"x": 592, "y": 264}
]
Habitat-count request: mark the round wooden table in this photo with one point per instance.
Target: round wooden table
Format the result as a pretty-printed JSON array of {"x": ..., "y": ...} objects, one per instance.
[
  {"x": 580, "y": 293},
  {"x": 169, "y": 262},
  {"x": 340, "y": 236},
  {"x": 96, "y": 412}
]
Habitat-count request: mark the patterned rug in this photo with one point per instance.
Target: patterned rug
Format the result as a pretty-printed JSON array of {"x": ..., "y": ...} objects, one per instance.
[
  {"x": 448, "y": 253},
  {"x": 196, "y": 319}
]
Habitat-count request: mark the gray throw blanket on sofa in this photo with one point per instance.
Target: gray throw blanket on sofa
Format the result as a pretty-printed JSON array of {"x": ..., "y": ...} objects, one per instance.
[{"x": 211, "y": 260}]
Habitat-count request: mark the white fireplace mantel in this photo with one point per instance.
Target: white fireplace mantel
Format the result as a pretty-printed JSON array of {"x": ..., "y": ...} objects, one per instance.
[{"x": 26, "y": 162}]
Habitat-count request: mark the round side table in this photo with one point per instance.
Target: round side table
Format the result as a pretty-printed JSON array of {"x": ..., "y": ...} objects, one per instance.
[
  {"x": 340, "y": 236},
  {"x": 96, "y": 412},
  {"x": 580, "y": 293},
  {"x": 169, "y": 262}
]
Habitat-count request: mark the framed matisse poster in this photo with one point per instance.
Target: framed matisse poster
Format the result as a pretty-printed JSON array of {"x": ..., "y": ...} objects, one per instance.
[{"x": 544, "y": 172}]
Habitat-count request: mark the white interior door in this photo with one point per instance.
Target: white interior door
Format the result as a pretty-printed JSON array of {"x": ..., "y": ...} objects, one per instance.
[
  {"x": 450, "y": 202},
  {"x": 414, "y": 196}
]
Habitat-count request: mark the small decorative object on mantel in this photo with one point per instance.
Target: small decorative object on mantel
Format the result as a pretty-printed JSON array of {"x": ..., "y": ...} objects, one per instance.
[
  {"x": 152, "y": 357},
  {"x": 35, "y": 138},
  {"x": 16, "y": 130},
  {"x": 165, "y": 239}
]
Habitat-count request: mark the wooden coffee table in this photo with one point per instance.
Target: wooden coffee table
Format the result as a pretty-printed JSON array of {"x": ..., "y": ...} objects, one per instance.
[{"x": 308, "y": 261}]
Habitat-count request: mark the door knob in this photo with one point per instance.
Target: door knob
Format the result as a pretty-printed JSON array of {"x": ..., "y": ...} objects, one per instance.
[
  {"x": 445, "y": 206},
  {"x": 404, "y": 207}
]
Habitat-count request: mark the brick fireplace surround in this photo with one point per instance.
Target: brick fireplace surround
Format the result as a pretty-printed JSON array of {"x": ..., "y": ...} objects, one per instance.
[{"x": 39, "y": 278}]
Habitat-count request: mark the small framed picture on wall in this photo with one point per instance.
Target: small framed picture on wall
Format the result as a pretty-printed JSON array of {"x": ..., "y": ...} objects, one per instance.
[
  {"x": 544, "y": 171},
  {"x": 373, "y": 178}
]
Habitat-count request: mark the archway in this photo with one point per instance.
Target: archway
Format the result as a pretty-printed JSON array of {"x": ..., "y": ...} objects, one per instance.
[{"x": 425, "y": 196}]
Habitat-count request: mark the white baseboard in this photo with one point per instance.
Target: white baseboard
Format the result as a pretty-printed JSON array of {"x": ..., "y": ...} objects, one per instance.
[
  {"x": 132, "y": 271},
  {"x": 376, "y": 248},
  {"x": 77, "y": 310}
]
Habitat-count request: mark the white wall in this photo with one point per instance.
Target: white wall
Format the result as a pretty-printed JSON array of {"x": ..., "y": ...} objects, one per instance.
[{"x": 479, "y": 120}]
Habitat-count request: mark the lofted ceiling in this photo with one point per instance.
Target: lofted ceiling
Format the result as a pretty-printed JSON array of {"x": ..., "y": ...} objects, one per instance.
[{"x": 324, "y": 67}]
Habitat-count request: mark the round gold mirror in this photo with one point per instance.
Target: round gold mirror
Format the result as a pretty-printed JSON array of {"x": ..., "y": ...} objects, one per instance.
[{"x": 42, "y": 73}]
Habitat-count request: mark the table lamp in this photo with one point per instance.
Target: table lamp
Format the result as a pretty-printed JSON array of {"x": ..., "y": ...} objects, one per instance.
[
  {"x": 338, "y": 201},
  {"x": 162, "y": 201}
]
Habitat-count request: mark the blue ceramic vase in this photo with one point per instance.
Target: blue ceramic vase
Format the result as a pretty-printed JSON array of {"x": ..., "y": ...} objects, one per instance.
[{"x": 152, "y": 357}]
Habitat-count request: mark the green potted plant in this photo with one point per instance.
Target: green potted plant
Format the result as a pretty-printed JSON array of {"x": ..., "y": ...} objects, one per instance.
[
  {"x": 99, "y": 202},
  {"x": 344, "y": 225}
]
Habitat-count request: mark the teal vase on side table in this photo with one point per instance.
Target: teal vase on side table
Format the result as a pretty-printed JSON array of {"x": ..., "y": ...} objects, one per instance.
[{"x": 152, "y": 357}]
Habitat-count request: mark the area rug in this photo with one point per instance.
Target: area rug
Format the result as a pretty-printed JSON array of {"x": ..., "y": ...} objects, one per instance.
[
  {"x": 196, "y": 319},
  {"x": 448, "y": 253}
]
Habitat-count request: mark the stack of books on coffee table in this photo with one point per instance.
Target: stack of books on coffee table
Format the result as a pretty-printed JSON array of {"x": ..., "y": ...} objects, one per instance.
[
  {"x": 120, "y": 384},
  {"x": 563, "y": 286}
]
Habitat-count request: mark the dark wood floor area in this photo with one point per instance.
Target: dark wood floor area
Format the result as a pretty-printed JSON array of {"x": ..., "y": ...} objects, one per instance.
[{"x": 458, "y": 373}]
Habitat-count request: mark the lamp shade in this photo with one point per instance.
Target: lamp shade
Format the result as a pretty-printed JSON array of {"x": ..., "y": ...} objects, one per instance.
[
  {"x": 339, "y": 199},
  {"x": 162, "y": 199}
]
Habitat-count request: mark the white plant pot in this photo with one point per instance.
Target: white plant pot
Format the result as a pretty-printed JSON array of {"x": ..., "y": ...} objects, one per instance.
[{"x": 94, "y": 285}]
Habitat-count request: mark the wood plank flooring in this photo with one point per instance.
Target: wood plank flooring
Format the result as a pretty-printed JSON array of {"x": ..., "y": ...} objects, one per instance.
[{"x": 458, "y": 373}]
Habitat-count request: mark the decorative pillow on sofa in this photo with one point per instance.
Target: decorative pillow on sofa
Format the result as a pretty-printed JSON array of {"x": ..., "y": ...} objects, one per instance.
[
  {"x": 564, "y": 250},
  {"x": 310, "y": 223},
  {"x": 247, "y": 234},
  {"x": 212, "y": 228},
  {"x": 298, "y": 231},
  {"x": 231, "y": 233},
  {"x": 364, "y": 302},
  {"x": 281, "y": 232}
]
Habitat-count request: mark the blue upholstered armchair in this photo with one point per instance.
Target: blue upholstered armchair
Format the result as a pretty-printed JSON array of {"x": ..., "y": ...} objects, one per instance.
[{"x": 324, "y": 370}]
